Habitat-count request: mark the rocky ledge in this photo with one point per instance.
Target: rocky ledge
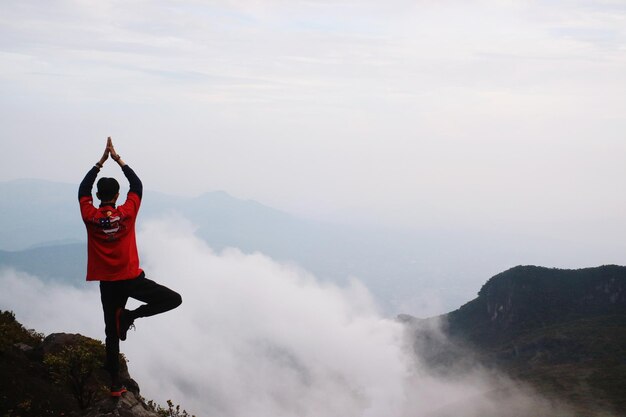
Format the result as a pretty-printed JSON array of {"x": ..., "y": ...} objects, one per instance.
[{"x": 62, "y": 375}]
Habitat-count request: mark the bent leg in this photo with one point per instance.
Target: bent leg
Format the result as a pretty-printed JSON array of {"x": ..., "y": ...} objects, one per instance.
[{"x": 157, "y": 297}]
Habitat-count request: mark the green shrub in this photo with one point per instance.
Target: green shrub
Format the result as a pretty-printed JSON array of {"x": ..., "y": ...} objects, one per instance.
[
  {"x": 12, "y": 332},
  {"x": 171, "y": 410},
  {"x": 75, "y": 366}
]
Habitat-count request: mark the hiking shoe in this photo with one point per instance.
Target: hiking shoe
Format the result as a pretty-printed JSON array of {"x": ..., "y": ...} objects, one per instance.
[
  {"x": 118, "y": 390},
  {"x": 123, "y": 322}
]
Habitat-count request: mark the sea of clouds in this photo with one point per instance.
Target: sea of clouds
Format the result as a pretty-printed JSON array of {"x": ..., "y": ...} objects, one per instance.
[{"x": 255, "y": 337}]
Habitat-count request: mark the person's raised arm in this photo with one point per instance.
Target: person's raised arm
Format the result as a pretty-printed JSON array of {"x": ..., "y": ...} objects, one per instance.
[
  {"x": 135, "y": 183},
  {"x": 84, "y": 189}
]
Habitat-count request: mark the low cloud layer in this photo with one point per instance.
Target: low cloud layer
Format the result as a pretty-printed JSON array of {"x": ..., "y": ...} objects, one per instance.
[{"x": 255, "y": 337}]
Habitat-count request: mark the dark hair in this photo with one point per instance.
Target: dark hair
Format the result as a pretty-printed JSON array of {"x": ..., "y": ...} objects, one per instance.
[{"x": 107, "y": 188}]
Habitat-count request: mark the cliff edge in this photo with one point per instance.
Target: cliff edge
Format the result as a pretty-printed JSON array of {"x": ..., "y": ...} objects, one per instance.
[{"x": 62, "y": 375}]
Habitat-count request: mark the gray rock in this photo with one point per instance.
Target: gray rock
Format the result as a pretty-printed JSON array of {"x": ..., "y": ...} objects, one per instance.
[
  {"x": 129, "y": 405},
  {"x": 23, "y": 347}
]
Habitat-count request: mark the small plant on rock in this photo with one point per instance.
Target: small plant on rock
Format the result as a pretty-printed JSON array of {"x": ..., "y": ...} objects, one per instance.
[
  {"x": 75, "y": 366},
  {"x": 171, "y": 410}
]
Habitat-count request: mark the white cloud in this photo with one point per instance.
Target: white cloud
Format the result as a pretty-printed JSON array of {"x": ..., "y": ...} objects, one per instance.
[
  {"x": 254, "y": 337},
  {"x": 51, "y": 308}
]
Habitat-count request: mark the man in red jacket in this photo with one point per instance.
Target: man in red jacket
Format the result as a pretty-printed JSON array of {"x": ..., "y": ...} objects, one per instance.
[{"x": 112, "y": 259}]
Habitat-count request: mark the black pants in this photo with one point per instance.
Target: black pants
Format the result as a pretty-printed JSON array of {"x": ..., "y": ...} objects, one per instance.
[{"x": 115, "y": 294}]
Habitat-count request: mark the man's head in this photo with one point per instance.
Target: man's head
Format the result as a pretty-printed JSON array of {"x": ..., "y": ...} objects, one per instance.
[{"x": 108, "y": 189}]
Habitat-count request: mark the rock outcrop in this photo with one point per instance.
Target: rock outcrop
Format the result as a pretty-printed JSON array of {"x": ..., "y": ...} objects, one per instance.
[
  {"x": 61, "y": 374},
  {"x": 129, "y": 405}
]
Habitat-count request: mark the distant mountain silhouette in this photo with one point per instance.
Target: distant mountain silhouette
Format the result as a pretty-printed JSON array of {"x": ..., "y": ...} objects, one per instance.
[
  {"x": 36, "y": 211},
  {"x": 42, "y": 234},
  {"x": 61, "y": 263},
  {"x": 562, "y": 331},
  {"x": 41, "y": 223}
]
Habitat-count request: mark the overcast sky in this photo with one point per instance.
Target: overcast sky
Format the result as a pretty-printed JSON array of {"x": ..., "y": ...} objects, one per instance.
[
  {"x": 488, "y": 116},
  {"x": 500, "y": 115}
]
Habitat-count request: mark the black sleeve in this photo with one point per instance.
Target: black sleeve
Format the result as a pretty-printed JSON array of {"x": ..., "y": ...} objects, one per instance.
[
  {"x": 84, "y": 189},
  {"x": 135, "y": 183}
]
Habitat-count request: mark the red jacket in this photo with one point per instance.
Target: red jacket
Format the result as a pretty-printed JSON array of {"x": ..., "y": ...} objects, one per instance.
[{"x": 111, "y": 243}]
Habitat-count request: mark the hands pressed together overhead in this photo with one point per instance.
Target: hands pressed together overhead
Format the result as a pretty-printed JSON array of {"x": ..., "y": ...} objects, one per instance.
[{"x": 110, "y": 150}]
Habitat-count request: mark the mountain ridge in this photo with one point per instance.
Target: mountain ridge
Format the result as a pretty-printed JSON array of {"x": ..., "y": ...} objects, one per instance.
[
  {"x": 561, "y": 331},
  {"x": 524, "y": 295}
]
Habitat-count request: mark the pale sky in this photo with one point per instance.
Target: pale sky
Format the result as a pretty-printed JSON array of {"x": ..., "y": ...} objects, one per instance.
[{"x": 483, "y": 115}]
